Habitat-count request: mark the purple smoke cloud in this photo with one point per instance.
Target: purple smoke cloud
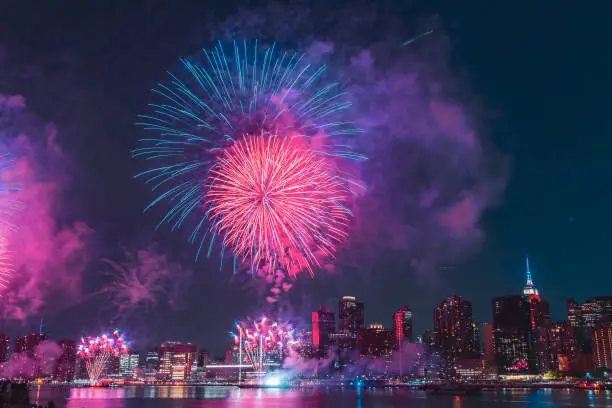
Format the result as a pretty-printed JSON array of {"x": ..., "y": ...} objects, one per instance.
[
  {"x": 49, "y": 255},
  {"x": 429, "y": 177}
]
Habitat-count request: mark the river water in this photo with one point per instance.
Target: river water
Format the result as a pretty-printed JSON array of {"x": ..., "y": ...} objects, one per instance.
[{"x": 221, "y": 397}]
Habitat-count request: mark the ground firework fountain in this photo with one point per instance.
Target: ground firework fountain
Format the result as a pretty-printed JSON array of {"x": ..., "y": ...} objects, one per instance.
[
  {"x": 264, "y": 343},
  {"x": 96, "y": 352}
]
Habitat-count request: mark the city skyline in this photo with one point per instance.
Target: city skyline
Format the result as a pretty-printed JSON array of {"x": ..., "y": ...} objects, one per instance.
[
  {"x": 514, "y": 161},
  {"x": 343, "y": 324}
]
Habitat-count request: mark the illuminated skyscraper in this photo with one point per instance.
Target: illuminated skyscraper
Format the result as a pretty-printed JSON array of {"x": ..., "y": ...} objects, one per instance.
[
  {"x": 128, "y": 363},
  {"x": 574, "y": 313},
  {"x": 602, "y": 345},
  {"x": 539, "y": 309},
  {"x": 453, "y": 331},
  {"x": 323, "y": 325},
  {"x": 350, "y": 315},
  {"x": 176, "y": 360},
  {"x": 513, "y": 339},
  {"x": 402, "y": 326},
  {"x": 376, "y": 341}
]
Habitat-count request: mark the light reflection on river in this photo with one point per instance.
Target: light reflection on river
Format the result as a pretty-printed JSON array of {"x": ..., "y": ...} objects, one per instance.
[{"x": 221, "y": 397}]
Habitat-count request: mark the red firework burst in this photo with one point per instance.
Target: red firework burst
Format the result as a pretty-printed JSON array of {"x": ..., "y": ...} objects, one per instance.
[{"x": 277, "y": 204}]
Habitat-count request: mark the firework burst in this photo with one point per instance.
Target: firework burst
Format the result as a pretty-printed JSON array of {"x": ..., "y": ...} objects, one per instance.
[
  {"x": 275, "y": 203},
  {"x": 257, "y": 149},
  {"x": 96, "y": 352}
]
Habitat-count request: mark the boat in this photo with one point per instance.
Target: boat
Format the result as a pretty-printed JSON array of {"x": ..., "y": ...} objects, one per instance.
[{"x": 588, "y": 384}]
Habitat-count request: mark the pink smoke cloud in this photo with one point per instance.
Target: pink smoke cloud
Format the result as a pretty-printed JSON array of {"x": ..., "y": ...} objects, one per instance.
[
  {"x": 49, "y": 255},
  {"x": 41, "y": 363}
]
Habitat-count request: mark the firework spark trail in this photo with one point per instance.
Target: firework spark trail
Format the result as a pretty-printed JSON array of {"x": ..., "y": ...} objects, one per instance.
[
  {"x": 140, "y": 281},
  {"x": 263, "y": 340},
  {"x": 96, "y": 352},
  {"x": 6, "y": 265},
  {"x": 274, "y": 201},
  {"x": 201, "y": 125}
]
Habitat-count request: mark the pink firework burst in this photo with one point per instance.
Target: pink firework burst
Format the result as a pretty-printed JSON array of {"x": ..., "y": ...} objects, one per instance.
[
  {"x": 96, "y": 352},
  {"x": 277, "y": 204}
]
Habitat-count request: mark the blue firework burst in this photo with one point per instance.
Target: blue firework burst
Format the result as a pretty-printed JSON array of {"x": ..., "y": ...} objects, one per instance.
[{"x": 218, "y": 97}]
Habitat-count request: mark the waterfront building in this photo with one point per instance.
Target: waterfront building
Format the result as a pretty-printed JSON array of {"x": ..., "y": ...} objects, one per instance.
[
  {"x": 453, "y": 328},
  {"x": 128, "y": 363},
  {"x": 176, "y": 360}
]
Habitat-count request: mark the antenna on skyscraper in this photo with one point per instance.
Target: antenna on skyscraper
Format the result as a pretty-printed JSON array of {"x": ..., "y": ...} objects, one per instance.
[{"x": 40, "y": 329}]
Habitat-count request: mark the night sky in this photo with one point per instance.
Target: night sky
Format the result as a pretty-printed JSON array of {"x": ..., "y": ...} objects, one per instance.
[{"x": 533, "y": 81}]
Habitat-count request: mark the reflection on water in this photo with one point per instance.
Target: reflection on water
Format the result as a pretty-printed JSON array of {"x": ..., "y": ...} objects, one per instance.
[{"x": 224, "y": 397}]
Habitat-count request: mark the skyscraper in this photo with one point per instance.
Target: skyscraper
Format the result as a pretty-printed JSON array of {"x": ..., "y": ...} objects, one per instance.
[
  {"x": 574, "y": 313},
  {"x": 402, "y": 326},
  {"x": 513, "y": 339},
  {"x": 5, "y": 347},
  {"x": 323, "y": 325},
  {"x": 453, "y": 327},
  {"x": 602, "y": 345},
  {"x": 376, "y": 341},
  {"x": 539, "y": 309},
  {"x": 351, "y": 316},
  {"x": 557, "y": 347}
]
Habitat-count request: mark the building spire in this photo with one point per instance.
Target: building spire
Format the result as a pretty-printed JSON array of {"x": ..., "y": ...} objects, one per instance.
[
  {"x": 40, "y": 330},
  {"x": 529, "y": 289},
  {"x": 528, "y": 271}
]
